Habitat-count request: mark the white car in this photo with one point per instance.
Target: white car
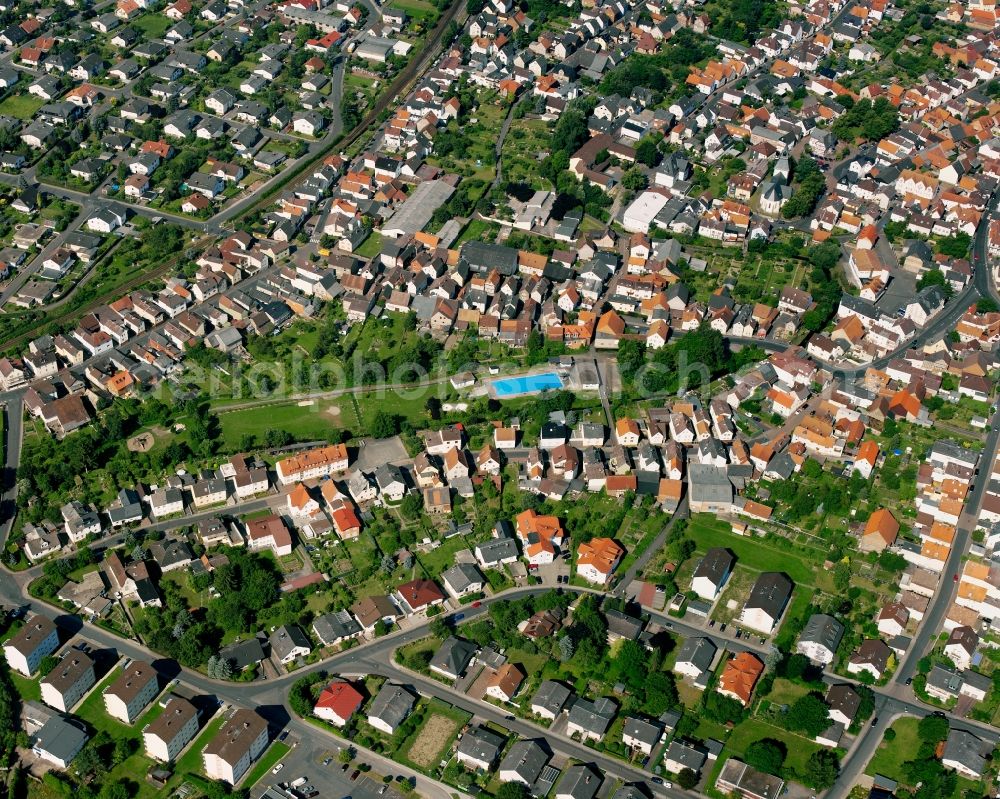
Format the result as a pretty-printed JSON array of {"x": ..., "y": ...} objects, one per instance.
[{"x": 277, "y": 768}]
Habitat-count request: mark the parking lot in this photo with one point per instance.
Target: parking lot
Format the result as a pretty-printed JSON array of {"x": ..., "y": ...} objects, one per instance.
[{"x": 332, "y": 781}]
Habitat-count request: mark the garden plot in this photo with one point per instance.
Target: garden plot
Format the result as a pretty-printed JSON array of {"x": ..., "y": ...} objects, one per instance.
[{"x": 430, "y": 743}]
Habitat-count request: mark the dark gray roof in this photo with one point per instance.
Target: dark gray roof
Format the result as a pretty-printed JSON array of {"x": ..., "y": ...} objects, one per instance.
[
  {"x": 482, "y": 743},
  {"x": 843, "y": 698},
  {"x": 965, "y": 748},
  {"x": 61, "y": 738},
  {"x": 581, "y": 781},
  {"x": 944, "y": 679},
  {"x": 243, "y": 653},
  {"x": 715, "y": 565},
  {"x": 483, "y": 256},
  {"x": 454, "y": 655},
  {"x": 527, "y": 759},
  {"x": 823, "y": 629},
  {"x": 686, "y": 754},
  {"x": 593, "y": 716},
  {"x": 288, "y": 637},
  {"x": 463, "y": 575},
  {"x": 497, "y": 549},
  {"x": 392, "y": 704},
  {"x": 623, "y": 625},
  {"x": 698, "y": 651},
  {"x": 332, "y": 626},
  {"x": 552, "y": 695},
  {"x": 645, "y": 731},
  {"x": 770, "y": 593}
]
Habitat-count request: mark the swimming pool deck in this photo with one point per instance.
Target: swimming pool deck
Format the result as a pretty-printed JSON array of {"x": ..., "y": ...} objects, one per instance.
[{"x": 562, "y": 374}]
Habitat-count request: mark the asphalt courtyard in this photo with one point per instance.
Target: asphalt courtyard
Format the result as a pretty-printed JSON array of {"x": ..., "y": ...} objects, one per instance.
[{"x": 306, "y": 759}]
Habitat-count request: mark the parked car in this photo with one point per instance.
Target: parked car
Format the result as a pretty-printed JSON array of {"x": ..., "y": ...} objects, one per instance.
[{"x": 354, "y": 774}]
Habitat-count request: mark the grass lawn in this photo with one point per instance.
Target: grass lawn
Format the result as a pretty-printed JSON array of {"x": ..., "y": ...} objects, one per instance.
[
  {"x": 267, "y": 762},
  {"x": 190, "y": 761},
  {"x": 478, "y": 230},
  {"x": 370, "y": 247},
  {"x": 412, "y": 408},
  {"x": 889, "y": 757},
  {"x": 799, "y": 748},
  {"x": 785, "y": 692},
  {"x": 153, "y": 25},
  {"x": 443, "y": 557},
  {"x": 796, "y": 610},
  {"x": 304, "y": 422},
  {"x": 21, "y": 106},
  {"x": 418, "y": 9},
  {"x": 531, "y": 663},
  {"x": 27, "y": 688},
  {"x": 708, "y": 532},
  {"x": 92, "y": 709}
]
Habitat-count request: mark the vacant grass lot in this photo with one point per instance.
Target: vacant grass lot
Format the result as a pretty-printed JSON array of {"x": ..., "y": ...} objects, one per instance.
[
  {"x": 417, "y": 9},
  {"x": 370, "y": 247},
  {"x": 304, "y": 422},
  {"x": 152, "y": 25},
  {"x": 21, "y": 106},
  {"x": 753, "y": 553},
  {"x": 889, "y": 757},
  {"x": 799, "y": 748}
]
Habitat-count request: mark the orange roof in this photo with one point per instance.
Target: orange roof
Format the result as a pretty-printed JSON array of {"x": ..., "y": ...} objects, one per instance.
[
  {"x": 299, "y": 496},
  {"x": 935, "y": 551},
  {"x": 942, "y": 532},
  {"x": 345, "y": 519},
  {"x": 626, "y": 426},
  {"x": 311, "y": 459},
  {"x": 868, "y": 451},
  {"x": 976, "y": 570},
  {"x": 545, "y": 527},
  {"x": 611, "y": 323},
  {"x": 884, "y": 524},
  {"x": 601, "y": 553},
  {"x": 741, "y": 675}
]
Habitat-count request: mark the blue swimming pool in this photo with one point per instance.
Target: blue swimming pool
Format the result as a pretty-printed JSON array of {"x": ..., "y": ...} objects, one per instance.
[{"x": 529, "y": 384}]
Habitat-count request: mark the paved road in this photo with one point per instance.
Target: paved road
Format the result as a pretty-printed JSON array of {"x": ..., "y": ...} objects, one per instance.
[{"x": 13, "y": 439}]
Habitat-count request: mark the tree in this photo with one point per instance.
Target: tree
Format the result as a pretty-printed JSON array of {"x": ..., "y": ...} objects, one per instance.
[
  {"x": 822, "y": 769},
  {"x": 116, "y": 790},
  {"x": 932, "y": 729},
  {"x": 224, "y": 669},
  {"x": 512, "y": 790},
  {"x": 384, "y": 424},
  {"x": 647, "y": 152},
  {"x": 124, "y": 749},
  {"x": 935, "y": 277},
  {"x": 631, "y": 356},
  {"x": 687, "y": 779},
  {"x": 346, "y": 755},
  {"x": 721, "y": 709},
  {"x": 767, "y": 755},
  {"x": 566, "y": 649},
  {"x": 439, "y": 628},
  {"x": 660, "y": 691},
  {"x": 433, "y": 406},
  {"x": 635, "y": 179},
  {"x": 809, "y": 714},
  {"x": 46, "y": 664}
]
